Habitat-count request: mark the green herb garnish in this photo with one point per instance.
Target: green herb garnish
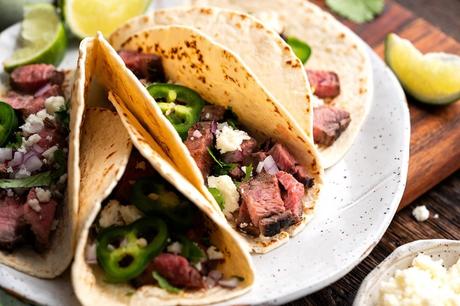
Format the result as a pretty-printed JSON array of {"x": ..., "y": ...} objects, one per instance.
[
  {"x": 41, "y": 179},
  {"x": 164, "y": 284},
  {"x": 222, "y": 168},
  {"x": 191, "y": 251},
  {"x": 357, "y": 10},
  {"x": 248, "y": 173},
  {"x": 218, "y": 197}
]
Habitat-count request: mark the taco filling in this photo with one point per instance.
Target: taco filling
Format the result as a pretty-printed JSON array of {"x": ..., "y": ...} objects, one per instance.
[
  {"x": 259, "y": 185},
  {"x": 149, "y": 234},
  {"x": 33, "y": 154}
]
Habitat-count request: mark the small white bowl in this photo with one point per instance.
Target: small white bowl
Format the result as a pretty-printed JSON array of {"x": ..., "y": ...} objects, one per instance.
[{"x": 401, "y": 258}]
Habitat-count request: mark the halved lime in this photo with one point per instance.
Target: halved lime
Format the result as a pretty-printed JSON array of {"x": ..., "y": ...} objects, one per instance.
[
  {"x": 42, "y": 40},
  {"x": 432, "y": 78},
  {"x": 86, "y": 17}
]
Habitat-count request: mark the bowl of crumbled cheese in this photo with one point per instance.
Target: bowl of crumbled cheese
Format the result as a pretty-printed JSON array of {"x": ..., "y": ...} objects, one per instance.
[{"x": 423, "y": 272}]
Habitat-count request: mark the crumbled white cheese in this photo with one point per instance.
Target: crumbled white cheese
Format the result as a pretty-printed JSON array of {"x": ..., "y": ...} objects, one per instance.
[
  {"x": 228, "y": 190},
  {"x": 141, "y": 165},
  {"x": 198, "y": 266},
  {"x": 22, "y": 173},
  {"x": 33, "y": 139},
  {"x": 270, "y": 19},
  {"x": 229, "y": 139},
  {"x": 33, "y": 124},
  {"x": 175, "y": 248},
  {"x": 9, "y": 170},
  {"x": 54, "y": 104},
  {"x": 426, "y": 282},
  {"x": 110, "y": 214},
  {"x": 142, "y": 242},
  {"x": 9, "y": 192},
  {"x": 197, "y": 133},
  {"x": 34, "y": 204},
  {"x": 49, "y": 154},
  {"x": 43, "y": 195},
  {"x": 315, "y": 101},
  {"x": 62, "y": 179},
  {"x": 421, "y": 213},
  {"x": 130, "y": 213},
  {"x": 214, "y": 253}
]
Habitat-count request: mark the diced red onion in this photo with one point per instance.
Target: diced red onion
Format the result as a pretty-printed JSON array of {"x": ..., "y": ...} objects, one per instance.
[
  {"x": 28, "y": 155},
  {"x": 197, "y": 134},
  {"x": 33, "y": 164},
  {"x": 231, "y": 282},
  {"x": 90, "y": 254},
  {"x": 215, "y": 275},
  {"x": 38, "y": 149},
  {"x": 270, "y": 165},
  {"x": 260, "y": 166},
  {"x": 5, "y": 154},
  {"x": 209, "y": 282},
  {"x": 17, "y": 159},
  {"x": 213, "y": 127}
]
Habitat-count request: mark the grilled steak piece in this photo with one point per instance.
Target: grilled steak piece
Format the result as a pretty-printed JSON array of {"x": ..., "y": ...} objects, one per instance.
[
  {"x": 301, "y": 174},
  {"x": 292, "y": 194},
  {"x": 11, "y": 222},
  {"x": 238, "y": 156},
  {"x": 30, "y": 78},
  {"x": 328, "y": 123},
  {"x": 325, "y": 84},
  {"x": 41, "y": 222},
  {"x": 236, "y": 173},
  {"x": 272, "y": 225},
  {"x": 177, "y": 270},
  {"x": 144, "y": 65},
  {"x": 244, "y": 222},
  {"x": 198, "y": 146},
  {"x": 212, "y": 113},
  {"x": 262, "y": 197},
  {"x": 284, "y": 160}
]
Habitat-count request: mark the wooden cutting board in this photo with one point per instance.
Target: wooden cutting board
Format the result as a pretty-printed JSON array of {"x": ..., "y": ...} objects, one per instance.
[{"x": 435, "y": 134}]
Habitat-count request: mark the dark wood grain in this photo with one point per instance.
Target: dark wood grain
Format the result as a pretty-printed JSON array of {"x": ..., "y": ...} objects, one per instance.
[{"x": 435, "y": 131}]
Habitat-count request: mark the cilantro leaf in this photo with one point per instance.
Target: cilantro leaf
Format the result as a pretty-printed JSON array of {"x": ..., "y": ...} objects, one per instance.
[
  {"x": 15, "y": 141},
  {"x": 191, "y": 251},
  {"x": 357, "y": 10},
  {"x": 218, "y": 197},
  {"x": 164, "y": 284},
  {"x": 222, "y": 167},
  {"x": 41, "y": 179},
  {"x": 248, "y": 173}
]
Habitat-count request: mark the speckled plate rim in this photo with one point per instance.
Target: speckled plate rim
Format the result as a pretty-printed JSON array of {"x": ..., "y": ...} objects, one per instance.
[{"x": 401, "y": 258}]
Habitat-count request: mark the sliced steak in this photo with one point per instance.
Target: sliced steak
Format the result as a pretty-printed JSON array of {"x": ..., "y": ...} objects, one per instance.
[
  {"x": 30, "y": 78},
  {"x": 244, "y": 222},
  {"x": 238, "y": 156},
  {"x": 329, "y": 123},
  {"x": 41, "y": 222},
  {"x": 325, "y": 84},
  {"x": 177, "y": 270},
  {"x": 292, "y": 194},
  {"x": 144, "y": 65},
  {"x": 284, "y": 160},
  {"x": 11, "y": 222},
  {"x": 272, "y": 225},
  {"x": 262, "y": 197},
  {"x": 212, "y": 113},
  {"x": 301, "y": 174},
  {"x": 198, "y": 146}
]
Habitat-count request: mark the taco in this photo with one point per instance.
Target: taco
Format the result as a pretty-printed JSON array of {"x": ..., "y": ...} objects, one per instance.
[
  {"x": 338, "y": 67},
  {"x": 39, "y": 175},
  {"x": 142, "y": 242},
  {"x": 243, "y": 151}
]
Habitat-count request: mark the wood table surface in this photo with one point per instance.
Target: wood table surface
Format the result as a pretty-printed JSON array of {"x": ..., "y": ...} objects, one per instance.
[{"x": 443, "y": 200}]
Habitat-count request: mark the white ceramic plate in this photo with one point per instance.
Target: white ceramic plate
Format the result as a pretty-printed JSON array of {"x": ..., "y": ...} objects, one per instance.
[
  {"x": 401, "y": 258},
  {"x": 359, "y": 200}
]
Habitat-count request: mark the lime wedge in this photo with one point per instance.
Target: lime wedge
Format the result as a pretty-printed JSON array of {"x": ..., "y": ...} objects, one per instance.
[
  {"x": 42, "y": 39},
  {"x": 432, "y": 78},
  {"x": 86, "y": 17}
]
